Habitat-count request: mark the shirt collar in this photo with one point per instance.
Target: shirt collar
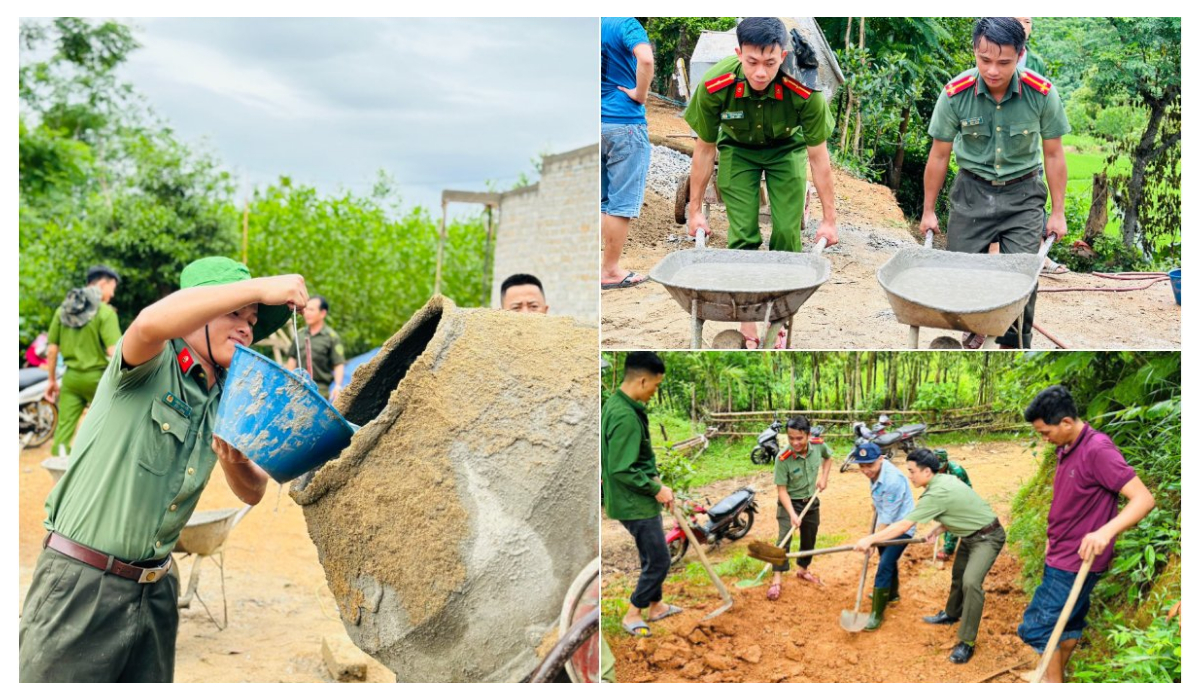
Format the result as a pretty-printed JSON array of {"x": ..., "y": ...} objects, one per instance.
[
  {"x": 1014, "y": 87},
  {"x": 189, "y": 365},
  {"x": 1065, "y": 451},
  {"x": 637, "y": 405},
  {"x": 742, "y": 86}
]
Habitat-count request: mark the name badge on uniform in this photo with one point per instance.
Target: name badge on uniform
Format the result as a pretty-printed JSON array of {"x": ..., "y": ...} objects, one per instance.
[
  {"x": 973, "y": 121},
  {"x": 174, "y": 402},
  {"x": 725, "y": 116}
]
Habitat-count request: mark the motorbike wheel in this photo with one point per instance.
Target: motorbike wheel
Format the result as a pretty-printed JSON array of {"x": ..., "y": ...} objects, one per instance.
[
  {"x": 43, "y": 417},
  {"x": 741, "y": 526},
  {"x": 677, "y": 549},
  {"x": 759, "y": 456}
]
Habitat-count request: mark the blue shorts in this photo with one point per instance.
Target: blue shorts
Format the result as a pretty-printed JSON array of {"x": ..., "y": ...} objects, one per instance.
[
  {"x": 624, "y": 162},
  {"x": 1048, "y": 600}
]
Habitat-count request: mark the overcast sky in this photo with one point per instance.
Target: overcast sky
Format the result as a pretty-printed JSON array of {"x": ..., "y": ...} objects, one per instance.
[{"x": 440, "y": 104}]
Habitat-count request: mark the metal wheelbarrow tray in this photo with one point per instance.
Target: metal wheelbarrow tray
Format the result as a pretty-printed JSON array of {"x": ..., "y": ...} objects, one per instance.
[
  {"x": 969, "y": 292},
  {"x": 768, "y": 292}
]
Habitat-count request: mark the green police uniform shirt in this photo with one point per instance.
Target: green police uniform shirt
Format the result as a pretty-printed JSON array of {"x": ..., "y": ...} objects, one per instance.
[
  {"x": 327, "y": 353},
  {"x": 798, "y": 472},
  {"x": 86, "y": 348},
  {"x": 998, "y": 140},
  {"x": 724, "y": 110},
  {"x": 142, "y": 456},
  {"x": 953, "y": 504},
  {"x": 628, "y": 469}
]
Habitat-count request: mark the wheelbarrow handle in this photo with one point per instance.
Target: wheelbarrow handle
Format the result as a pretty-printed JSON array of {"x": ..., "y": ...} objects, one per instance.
[
  {"x": 929, "y": 238},
  {"x": 820, "y": 247},
  {"x": 1045, "y": 249},
  {"x": 700, "y": 236}
]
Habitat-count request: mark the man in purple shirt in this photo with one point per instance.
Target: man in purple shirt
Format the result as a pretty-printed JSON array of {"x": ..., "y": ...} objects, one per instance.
[{"x": 1083, "y": 521}]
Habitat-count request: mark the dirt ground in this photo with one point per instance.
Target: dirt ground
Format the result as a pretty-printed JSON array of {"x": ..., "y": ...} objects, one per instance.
[
  {"x": 851, "y": 311},
  {"x": 798, "y": 638},
  {"x": 279, "y": 605}
]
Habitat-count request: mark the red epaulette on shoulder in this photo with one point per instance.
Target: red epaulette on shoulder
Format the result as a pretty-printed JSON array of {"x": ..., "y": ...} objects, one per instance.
[
  {"x": 718, "y": 83},
  {"x": 1036, "y": 81},
  {"x": 797, "y": 87},
  {"x": 956, "y": 86},
  {"x": 786, "y": 455}
]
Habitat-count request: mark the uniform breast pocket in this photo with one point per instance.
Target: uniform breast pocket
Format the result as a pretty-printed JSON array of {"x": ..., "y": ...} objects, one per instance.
[
  {"x": 977, "y": 139},
  {"x": 1023, "y": 138},
  {"x": 736, "y": 125},
  {"x": 164, "y": 441}
]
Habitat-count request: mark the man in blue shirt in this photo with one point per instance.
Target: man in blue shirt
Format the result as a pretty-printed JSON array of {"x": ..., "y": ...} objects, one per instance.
[
  {"x": 893, "y": 500},
  {"x": 626, "y": 69}
]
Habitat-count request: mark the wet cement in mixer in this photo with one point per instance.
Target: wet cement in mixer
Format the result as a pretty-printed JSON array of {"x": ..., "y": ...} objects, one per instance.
[
  {"x": 959, "y": 290},
  {"x": 746, "y": 277}
]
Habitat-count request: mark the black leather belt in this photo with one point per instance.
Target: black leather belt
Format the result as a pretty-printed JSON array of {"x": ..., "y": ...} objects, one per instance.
[
  {"x": 986, "y": 529},
  {"x": 1000, "y": 183}
]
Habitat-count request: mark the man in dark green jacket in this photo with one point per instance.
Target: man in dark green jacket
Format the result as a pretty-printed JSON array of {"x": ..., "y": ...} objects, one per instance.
[
  {"x": 631, "y": 488},
  {"x": 950, "y": 542}
]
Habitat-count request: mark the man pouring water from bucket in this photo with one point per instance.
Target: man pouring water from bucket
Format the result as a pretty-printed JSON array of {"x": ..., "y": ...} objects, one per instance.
[{"x": 102, "y": 605}]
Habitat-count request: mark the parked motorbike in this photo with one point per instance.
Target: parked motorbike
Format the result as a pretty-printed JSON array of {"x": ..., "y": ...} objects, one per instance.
[
  {"x": 767, "y": 447},
  {"x": 904, "y": 438},
  {"x": 37, "y": 417},
  {"x": 731, "y": 519}
]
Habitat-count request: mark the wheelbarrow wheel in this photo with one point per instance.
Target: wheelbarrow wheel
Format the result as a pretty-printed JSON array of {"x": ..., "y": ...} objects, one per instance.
[
  {"x": 677, "y": 549},
  {"x": 682, "y": 194},
  {"x": 742, "y": 525}
]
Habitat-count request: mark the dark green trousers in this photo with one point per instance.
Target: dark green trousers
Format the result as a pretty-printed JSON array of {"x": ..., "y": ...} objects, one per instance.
[
  {"x": 738, "y": 177},
  {"x": 81, "y": 624},
  {"x": 76, "y": 392},
  {"x": 974, "y": 560},
  {"x": 1012, "y": 214}
]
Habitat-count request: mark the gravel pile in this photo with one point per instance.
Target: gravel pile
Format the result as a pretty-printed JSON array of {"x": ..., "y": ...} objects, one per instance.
[{"x": 667, "y": 166}]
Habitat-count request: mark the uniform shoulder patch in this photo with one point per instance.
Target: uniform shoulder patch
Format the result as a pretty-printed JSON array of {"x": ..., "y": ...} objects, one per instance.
[
  {"x": 797, "y": 87},
  {"x": 719, "y": 83},
  {"x": 959, "y": 84},
  {"x": 786, "y": 455},
  {"x": 1036, "y": 82}
]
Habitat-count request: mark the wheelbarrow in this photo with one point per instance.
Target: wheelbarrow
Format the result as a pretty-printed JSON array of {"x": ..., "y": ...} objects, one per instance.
[
  {"x": 577, "y": 651},
  {"x": 741, "y": 285},
  {"x": 204, "y": 536},
  {"x": 970, "y": 292}
]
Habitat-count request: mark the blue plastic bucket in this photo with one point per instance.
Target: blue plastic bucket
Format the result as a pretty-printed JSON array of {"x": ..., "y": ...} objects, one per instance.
[
  {"x": 1176, "y": 276},
  {"x": 278, "y": 418}
]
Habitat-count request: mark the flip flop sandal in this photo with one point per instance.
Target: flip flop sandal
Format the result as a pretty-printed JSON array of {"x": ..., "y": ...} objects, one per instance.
[
  {"x": 671, "y": 610},
  {"x": 972, "y": 341},
  {"x": 637, "y": 629},
  {"x": 625, "y": 283},
  {"x": 781, "y": 340},
  {"x": 774, "y": 591},
  {"x": 810, "y": 577},
  {"x": 751, "y": 339}
]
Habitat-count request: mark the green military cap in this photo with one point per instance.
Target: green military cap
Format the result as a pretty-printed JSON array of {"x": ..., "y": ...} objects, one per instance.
[{"x": 214, "y": 271}]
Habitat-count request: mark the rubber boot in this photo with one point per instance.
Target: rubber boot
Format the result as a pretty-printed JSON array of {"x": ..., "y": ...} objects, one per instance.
[
  {"x": 879, "y": 603},
  {"x": 894, "y": 591}
]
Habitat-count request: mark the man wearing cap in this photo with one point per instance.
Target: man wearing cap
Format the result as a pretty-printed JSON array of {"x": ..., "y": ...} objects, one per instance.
[
  {"x": 893, "y": 501},
  {"x": 992, "y": 118},
  {"x": 960, "y": 510},
  {"x": 102, "y": 604},
  {"x": 764, "y": 123},
  {"x": 800, "y": 473},
  {"x": 328, "y": 355},
  {"x": 949, "y": 541},
  {"x": 1083, "y": 522},
  {"x": 85, "y": 330}
]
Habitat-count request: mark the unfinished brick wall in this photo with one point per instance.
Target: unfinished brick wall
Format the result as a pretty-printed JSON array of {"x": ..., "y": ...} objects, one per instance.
[{"x": 552, "y": 230}]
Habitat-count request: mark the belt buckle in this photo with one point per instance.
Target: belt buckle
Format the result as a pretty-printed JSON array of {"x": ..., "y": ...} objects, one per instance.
[
  {"x": 155, "y": 574},
  {"x": 998, "y": 183}
]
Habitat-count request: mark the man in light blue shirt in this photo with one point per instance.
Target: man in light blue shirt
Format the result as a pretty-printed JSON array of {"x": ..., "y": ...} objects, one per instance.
[{"x": 893, "y": 501}]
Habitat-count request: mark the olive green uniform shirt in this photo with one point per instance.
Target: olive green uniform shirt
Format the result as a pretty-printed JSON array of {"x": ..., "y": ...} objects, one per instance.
[
  {"x": 628, "y": 468},
  {"x": 327, "y": 353},
  {"x": 953, "y": 504},
  {"x": 800, "y": 473},
  {"x": 86, "y": 348},
  {"x": 998, "y": 140},
  {"x": 734, "y": 115},
  {"x": 142, "y": 456}
]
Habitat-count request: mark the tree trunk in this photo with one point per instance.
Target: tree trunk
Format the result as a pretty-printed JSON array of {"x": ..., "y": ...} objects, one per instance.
[
  {"x": 898, "y": 161},
  {"x": 849, "y": 106},
  {"x": 1098, "y": 214},
  {"x": 862, "y": 33},
  {"x": 1143, "y": 153}
]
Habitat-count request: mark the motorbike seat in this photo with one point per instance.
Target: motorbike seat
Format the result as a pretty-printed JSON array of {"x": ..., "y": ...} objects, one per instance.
[
  {"x": 729, "y": 504},
  {"x": 888, "y": 438},
  {"x": 911, "y": 429},
  {"x": 30, "y": 376}
]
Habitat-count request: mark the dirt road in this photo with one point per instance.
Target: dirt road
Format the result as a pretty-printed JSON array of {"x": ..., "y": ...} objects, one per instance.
[
  {"x": 798, "y": 638},
  {"x": 279, "y": 605},
  {"x": 850, "y": 311}
]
